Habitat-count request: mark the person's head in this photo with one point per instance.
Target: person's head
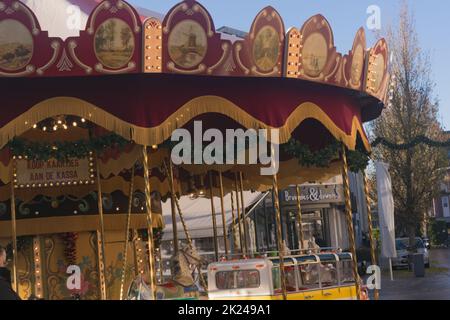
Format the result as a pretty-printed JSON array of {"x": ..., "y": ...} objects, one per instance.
[{"x": 2, "y": 257}]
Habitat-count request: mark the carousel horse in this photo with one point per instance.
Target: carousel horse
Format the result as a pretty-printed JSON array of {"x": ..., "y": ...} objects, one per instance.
[{"x": 182, "y": 285}]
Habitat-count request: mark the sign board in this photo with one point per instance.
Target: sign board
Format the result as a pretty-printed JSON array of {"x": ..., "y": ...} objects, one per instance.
[
  {"x": 53, "y": 173},
  {"x": 311, "y": 194}
]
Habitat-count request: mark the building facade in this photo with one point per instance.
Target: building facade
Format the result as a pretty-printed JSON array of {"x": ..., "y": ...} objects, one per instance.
[{"x": 441, "y": 204}]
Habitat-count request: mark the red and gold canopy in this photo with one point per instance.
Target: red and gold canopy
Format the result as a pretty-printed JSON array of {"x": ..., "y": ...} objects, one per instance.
[{"x": 145, "y": 79}]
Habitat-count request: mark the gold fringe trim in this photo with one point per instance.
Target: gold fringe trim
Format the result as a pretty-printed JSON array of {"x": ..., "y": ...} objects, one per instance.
[{"x": 194, "y": 108}]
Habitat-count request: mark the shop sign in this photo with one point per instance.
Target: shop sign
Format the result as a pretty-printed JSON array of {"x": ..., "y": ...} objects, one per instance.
[
  {"x": 53, "y": 173},
  {"x": 314, "y": 194}
]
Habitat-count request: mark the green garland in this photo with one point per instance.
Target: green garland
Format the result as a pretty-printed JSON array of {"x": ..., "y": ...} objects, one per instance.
[
  {"x": 322, "y": 158},
  {"x": 308, "y": 158},
  {"x": 357, "y": 160},
  {"x": 65, "y": 150},
  {"x": 411, "y": 144}
]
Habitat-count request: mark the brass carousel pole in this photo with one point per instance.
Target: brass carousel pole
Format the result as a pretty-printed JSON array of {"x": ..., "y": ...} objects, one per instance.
[
  {"x": 127, "y": 233},
  {"x": 190, "y": 243},
  {"x": 101, "y": 235},
  {"x": 173, "y": 198},
  {"x": 369, "y": 222},
  {"x": 279, "y": 235},
  {"x": 214, "y": 218},
  {"x": 238, "y": 218},
  {"x": 136, "y": 252},
  {"x": 222, "y": 206},
  {"x": 244, "y": 219},
  {"x": 300, "y": 220},
  {"x": 148, "y": 204},
  {"x": 349, "y": 218},
  {"x": 233, "y": 222},
  {"x": 183, "y": 222},
  {"x": 177, "y": 203},
  {"x": 14, "y": 230}
]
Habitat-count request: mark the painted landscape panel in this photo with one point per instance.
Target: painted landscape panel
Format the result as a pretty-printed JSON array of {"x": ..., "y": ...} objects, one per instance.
[
  {"x": 188, "y": 44},
  {"x": 16, "y": 45},
  {"x": 114, "y": 43}
]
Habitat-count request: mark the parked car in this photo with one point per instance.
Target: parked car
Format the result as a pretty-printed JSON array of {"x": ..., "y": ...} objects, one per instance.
[{"x": 402, "y": 245}]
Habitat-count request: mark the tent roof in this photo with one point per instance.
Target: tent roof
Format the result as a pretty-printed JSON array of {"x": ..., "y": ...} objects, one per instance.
[
  {"x": 197, "y": 214},
  {"x": 62, "y": 25},
  {"x": 57, "y": 16}
]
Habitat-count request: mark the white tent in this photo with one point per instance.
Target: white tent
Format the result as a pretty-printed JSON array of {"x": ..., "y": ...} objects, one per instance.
[
  {"x": 386, "y": 210},
  {"x": 197, "y": 214},
  {"x": 65, "y": 18}
]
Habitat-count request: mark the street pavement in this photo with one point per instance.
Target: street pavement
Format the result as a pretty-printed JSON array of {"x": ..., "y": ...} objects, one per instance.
[{"x": 434, "y": 286}]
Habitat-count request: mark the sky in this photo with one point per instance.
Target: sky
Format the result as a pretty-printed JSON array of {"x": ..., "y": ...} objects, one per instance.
[{"x": 345, "y": 17}]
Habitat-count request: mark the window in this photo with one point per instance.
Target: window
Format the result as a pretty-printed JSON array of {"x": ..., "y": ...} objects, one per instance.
[
  {"x": 289, "y": 274},
  {"x": 239, "y": 279},
  {"x": 346, "y": 271},
  {"x": 276, "y": 278},
  {"x": 314, "y": 228},
  {"x": 445, "y": 207},
  {"x": 328, "y": 274},
  {"x": 309, "y": 276}
]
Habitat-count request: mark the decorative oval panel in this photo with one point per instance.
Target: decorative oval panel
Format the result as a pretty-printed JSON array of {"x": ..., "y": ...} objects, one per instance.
[
  {"x": 16, "y": 45},
  {"x": 266, "y": 48},
  {"x": 355, "y": 62},
  {"x": 318, "y": 57},
  {"x": 315, "y": 55},
  {"x": 261, "y": 53},
  {"x": 357, "y": 65},
  {"x": 188, "y": 44},
  {"x": 114, "y": 43}
]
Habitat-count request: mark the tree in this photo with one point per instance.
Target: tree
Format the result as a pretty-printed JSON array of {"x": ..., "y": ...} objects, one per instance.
[
  {"x": 413, "y": 112},
  {"x": 100, "y": 38},
  {"x": 110, "y": 34},
  {"x": 125, "y": 36}
]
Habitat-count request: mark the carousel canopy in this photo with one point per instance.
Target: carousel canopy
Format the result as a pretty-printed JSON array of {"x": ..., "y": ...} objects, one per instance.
[
  {"x": 141, "y": 75},
  {"x": 269, "y": 79}
]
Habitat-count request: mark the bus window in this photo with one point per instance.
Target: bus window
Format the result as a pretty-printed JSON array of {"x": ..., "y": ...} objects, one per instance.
[
  {"x": 276, "y": 278},
  {"x": 328, "y": 274},
  {"x": 248, "y": 279},
  {"x": 239, "y": 279},
  {"x": 309, "y": 276},
  {"x": 289, "y": 274},
  {"x": 346, "y": 271}
]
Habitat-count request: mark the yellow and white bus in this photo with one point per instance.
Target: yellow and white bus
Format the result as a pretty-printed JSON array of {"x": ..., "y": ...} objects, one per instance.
[{"x": 324, "y": 276}]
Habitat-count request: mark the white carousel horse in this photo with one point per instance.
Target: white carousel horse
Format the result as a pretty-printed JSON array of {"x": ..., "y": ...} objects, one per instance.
[{"x": 182, "y": 284}]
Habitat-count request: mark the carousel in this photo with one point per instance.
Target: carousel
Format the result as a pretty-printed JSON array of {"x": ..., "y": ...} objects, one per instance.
[{"x": 86, "y": 128}]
